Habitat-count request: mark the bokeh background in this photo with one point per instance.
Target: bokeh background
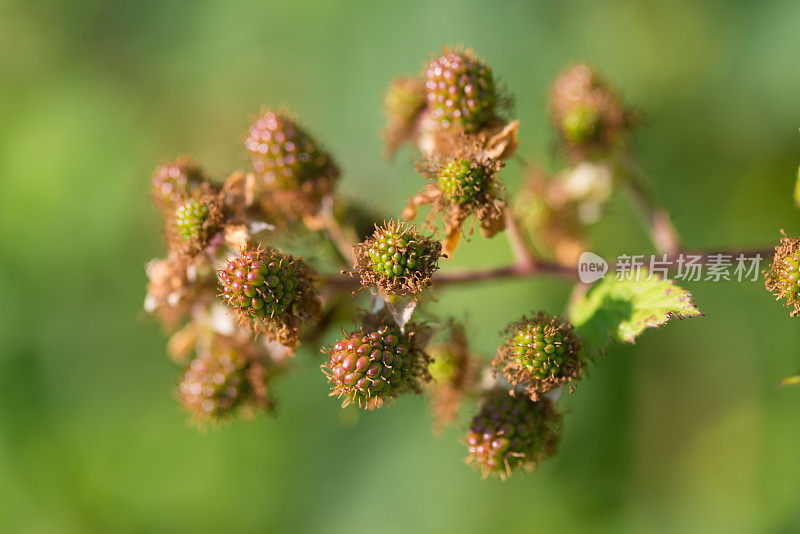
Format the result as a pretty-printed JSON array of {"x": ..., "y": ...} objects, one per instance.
[{"x": 684, "y": 432}]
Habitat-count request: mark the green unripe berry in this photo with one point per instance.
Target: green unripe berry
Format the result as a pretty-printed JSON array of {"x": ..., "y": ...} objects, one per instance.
[
  {"x": 461, "y": 181},
  {"x": 461, "y": 91},
  {"x": 543, "y": 354},
  {"x": 190, "y": 218},
  {"x": 394, "y": 253},
  {"x": 539, "y": 355},
  {"x": 581, "y": 124}
]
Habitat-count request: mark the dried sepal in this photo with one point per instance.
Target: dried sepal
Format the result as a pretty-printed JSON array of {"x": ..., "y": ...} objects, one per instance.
[
  {"x": 175, "y": 285},
  {"x": 403, "y": 103},
  {"x": 270, "y": 292},
  {"x": 454, "y": 371},
  {"x": 225, "y": 377},
  {"x": 376, "y": 363},
  {"x": 511, "y": 433},
  {"x": 396, "y": 259},
  {"x": 589, "y": 116},
  {"x": 540, "y": 354},
  {"x": 783, "y": 277}
]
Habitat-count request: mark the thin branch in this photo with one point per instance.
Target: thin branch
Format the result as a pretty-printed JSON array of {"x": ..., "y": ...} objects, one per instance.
[
  {"x": 559, "y": 270},
  {"x": 522, "y": 255}
]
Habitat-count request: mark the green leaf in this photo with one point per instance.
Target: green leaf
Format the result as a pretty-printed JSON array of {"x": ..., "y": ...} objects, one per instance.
[
  {"x": 620, "y": 310},
  {"x": 797, "y": 189},
  {"x": 791, "y": 381}
]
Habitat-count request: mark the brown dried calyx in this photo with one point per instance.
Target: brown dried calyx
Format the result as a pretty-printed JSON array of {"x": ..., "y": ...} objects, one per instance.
[{"x": 454, "y": 372}]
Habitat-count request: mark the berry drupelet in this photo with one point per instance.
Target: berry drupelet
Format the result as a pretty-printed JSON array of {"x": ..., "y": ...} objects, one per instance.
[
  {"x": 539, "y": 355},
  {"x": 512, "y": 432},
  {"x": 372, "y": 365},
  {"x": 461, "y": 91}
]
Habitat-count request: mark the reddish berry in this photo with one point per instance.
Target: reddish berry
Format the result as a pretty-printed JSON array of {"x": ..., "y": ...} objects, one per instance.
[
  {"x": 373, "y": 365},
  {"x": 512, "y": 432},
  {"x": 260, "y": 283},
  {"x": 286, "y": 156},
  {"x": 214, "y": 385},
  {"x": 461, "y": 91}
]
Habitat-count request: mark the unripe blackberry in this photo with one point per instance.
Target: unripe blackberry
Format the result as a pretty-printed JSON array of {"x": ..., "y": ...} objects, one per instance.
[
  {"x": 190, "y": 218},
  {"x": 540, "y": 354},
  {"x": 581, "y": 124},
  {"x": 404, "y": 101},
  {"x": 214, "y": 385},
  {"x": 373, "y": 365},
  {"x": 261, "y": 281},
  {"x": 397, "y": 259},
  {"x": 512, "y": 432},
  {"x": 461, "y": 91},
  {"x": 270, "y": 290},
  {"x": 287, "y": 157},
  {"x": 453, "y": 372},
  {"x": 462, "y": 181},
  {"x": 175, "y": 181},
  {"x": 588, "y": 114},
  {"x": 783, "y": 277}
]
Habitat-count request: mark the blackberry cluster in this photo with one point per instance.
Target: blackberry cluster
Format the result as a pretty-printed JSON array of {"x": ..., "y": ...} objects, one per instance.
[
  {"x": 462, "y": 181},
  {"x": 370, "y": 366},
  {"x": 260, "y": 283},
  {"x": 461, "y": 91},
  {"x": 190, "y": 219},
  {"x": 511, "y": 432},
  {"x": 285, "y": 155},
  {"x": 214, "y": 385}
]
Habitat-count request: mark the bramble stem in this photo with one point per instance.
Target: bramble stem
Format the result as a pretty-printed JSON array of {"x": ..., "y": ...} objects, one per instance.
[
  {"x": 522, "y": 255},
  {"x": 559, "y": 270},
  {"x": 662, "y": 231}
]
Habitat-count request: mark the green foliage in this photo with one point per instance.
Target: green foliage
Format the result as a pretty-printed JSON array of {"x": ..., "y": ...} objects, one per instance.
[{"x": 620, "y": 310}]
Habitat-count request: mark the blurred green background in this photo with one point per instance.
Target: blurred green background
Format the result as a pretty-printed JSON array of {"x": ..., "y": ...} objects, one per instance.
[{"x": 685, "y": 432}]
